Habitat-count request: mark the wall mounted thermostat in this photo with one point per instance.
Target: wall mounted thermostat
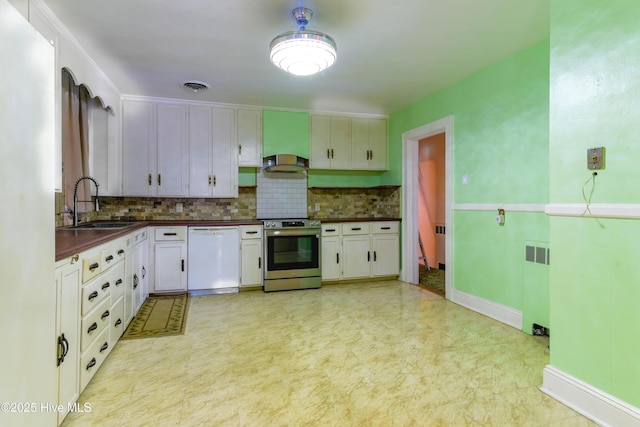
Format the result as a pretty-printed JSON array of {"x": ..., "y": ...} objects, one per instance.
[
  {"x": 595, "y": 158},
  {"x": 500, "y": 217}
]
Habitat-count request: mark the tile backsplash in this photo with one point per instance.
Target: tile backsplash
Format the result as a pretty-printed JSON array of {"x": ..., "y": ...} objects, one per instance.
[
  {"x": 281, "y": 195},
  {"x": 332, "y": 203}
]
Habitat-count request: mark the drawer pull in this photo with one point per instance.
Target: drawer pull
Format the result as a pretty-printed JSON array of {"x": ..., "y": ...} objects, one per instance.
[
  {"x": 104, "y": 347},
  {"x": 144, "y": 271},
  {"x": 170, "y": 234},
  {"x": 337, "y": 258},
  {"x": 94, "y": 266},
  {"x": 109, "y": 258},
  {"x": 368, "y": 256},
  {"x": 252, "y": 232},
  {"x": 105, "y": 286},
  {"x": 91, "y": 364},
  {"x": 375, "y": 256},
  {"x": 121, "y": 251},
  {"x": 92, "y": 328},
  {"x": 92, "y": 295},
  {"x": 105, "y": 315},
  {"x": 135, "y": 281},
  {"x": 75, "y": 258},
  {"x": 356, "y": 228},
  {"x": 118, "y": 323},
  {"x": 330, "y": 230},
  {"x": 118, "y": 282},
  {"x": 259, "y": 262},
  {"x": 385, "y": 228}
]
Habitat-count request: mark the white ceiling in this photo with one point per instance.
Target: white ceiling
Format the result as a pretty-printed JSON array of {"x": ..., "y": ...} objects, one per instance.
[{"x": 390, "y": 53}]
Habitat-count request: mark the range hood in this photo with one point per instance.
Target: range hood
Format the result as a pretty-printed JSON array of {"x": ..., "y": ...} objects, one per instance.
[{"x": 285, "y": 163}]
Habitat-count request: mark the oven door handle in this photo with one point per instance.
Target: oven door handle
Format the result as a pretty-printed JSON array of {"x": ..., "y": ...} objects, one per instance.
[{"x": 296, "y": 232}]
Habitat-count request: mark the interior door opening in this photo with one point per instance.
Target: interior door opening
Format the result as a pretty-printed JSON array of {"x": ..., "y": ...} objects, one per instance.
[{"x": 410, "y": 199}]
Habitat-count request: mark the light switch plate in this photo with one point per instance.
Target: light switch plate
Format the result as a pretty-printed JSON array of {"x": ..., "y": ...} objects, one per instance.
[{"x": 595, "y": 158}]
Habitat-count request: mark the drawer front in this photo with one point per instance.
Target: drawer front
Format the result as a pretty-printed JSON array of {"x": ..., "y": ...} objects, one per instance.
[
  {"x": 94, "y": 323},
  {"x": 386, "y": 227},
  {"x": 353, "y": 228},
  {"x": 91, "y": 267},
  {"x": 116, "y": 281},
  {"x": 93, "y": 357},
  {"x": 112, "y": 254},
  {"x": 331, "y": 229},
  {"x": 116, "y": 322},
  {"x": 94, "y": 292},
  {"x": 250, "y": 232},
  {"x": 170, "y": 233}
]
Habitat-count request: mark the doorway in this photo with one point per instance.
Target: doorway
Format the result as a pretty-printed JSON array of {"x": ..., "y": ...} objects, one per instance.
[
  {"x": 411, "y": 203},
  {"x": 431, "y": 213}
]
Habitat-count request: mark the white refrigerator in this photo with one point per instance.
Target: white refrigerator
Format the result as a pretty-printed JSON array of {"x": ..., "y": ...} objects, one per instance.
[{"x": 214, "y": 259}]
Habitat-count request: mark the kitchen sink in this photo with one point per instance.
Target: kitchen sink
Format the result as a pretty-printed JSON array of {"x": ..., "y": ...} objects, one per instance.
[{"x": 101, "y": 225}]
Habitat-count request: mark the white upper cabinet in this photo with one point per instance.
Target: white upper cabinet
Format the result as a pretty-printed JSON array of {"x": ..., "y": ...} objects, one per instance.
[
  {"x": 139, "y": 148},
  {"x": 329, "y": 142},
  {"x": 249, "y": 134},
  {"x": 172, "y": 161},
  {"x": 213, "y": 170},
  {"x": 368, "y": 144},
  {"x": 348, "y": 143}
]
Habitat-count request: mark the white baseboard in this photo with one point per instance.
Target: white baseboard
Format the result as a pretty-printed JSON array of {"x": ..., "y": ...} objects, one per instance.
[
  {"x": 496, "y": 311},
  {"x": 587, "y": 400}
]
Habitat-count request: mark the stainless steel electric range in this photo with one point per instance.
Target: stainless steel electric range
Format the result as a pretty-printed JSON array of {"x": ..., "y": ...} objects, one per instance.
[{"x": 292, "y": 254}]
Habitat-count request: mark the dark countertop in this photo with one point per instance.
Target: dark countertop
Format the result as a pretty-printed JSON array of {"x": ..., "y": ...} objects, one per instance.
[
  {"x": 70, "y": 242},
  {"x": 336, "y": 220}
]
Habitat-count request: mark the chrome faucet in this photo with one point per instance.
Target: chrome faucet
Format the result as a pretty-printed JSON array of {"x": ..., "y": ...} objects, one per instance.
[{"x": 75, "y": 198}]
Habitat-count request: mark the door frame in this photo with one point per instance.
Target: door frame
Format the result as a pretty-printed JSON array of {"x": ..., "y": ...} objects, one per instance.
[{"x": 410, "y": 186}]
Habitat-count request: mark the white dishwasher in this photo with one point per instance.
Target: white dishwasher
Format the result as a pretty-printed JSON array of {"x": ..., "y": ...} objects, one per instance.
[{"x": 214, "y": 260}]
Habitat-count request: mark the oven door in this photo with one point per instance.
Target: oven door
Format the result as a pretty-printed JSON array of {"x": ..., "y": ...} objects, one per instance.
[{"x": 292, "y": 253}]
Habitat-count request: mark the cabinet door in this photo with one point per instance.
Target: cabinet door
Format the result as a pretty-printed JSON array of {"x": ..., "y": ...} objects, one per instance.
[
  {"x": 68, "y": 279},
  {"x": 320, "y": 142},
  {"x": 200, "y": 151},
  {"x": 331, "y": 254},
  {"x": 224, "y": 179},
  {"x": 340, "y": 143},
  {"x": 139, "y": 148},
  {"x": 356, "y": 254},
  {"x": 251, "y": 259},
  {"x": 378, "y": 142},
  {"x": 249, "y": 134},
  {"x": 386, "y": 255},
  {"x": 172, "y": 162},
  {"x": 132, "y": 279},
  {"x": 170, "y": 267},
  {"x": 360, "y": 152}
]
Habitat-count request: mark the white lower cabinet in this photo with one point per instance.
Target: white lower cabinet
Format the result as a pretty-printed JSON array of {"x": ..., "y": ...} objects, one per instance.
[
  {"x": 169, "y": 259},
  {"x": 68, "y": 280},
  {"x": 358, "y": 250},
  {"x": 251, "y": 255},
  {"x": 91, "y": 312},
  {"x": 331, "y": 252}
]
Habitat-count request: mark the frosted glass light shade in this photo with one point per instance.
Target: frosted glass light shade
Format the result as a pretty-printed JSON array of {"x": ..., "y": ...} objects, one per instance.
[{"x": 303, "y": 53}]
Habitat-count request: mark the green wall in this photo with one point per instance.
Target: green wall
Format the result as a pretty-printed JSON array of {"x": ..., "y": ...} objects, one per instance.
[
  {"x": 595, "y": 281},
  {"x": 501, "y": 141}
]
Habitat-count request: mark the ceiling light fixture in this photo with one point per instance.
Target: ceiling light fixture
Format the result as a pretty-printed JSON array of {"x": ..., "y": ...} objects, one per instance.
[{"x": 303, "y": 52}]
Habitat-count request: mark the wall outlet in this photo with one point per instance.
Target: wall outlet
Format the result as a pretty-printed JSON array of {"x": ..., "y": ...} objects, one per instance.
[
  {"x": 317, "y": 207},
  {"x": 179, "y": 207},
  {"x": 595, "y": 158}
]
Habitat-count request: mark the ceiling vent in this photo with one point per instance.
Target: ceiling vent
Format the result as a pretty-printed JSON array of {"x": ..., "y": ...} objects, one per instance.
[{"x": 196, "y": 86}]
